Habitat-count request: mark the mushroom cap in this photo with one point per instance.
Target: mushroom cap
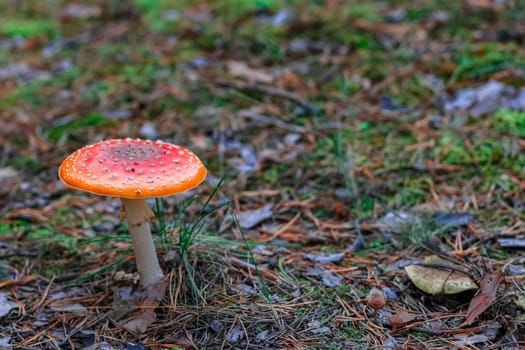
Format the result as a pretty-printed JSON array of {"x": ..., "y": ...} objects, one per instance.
[{"x": 132, "y": 168}]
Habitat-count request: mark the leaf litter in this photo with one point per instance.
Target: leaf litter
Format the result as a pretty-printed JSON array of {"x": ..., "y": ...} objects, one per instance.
[
  {"x": 434, "y": 135},
  {"x": 5, "y": 304}
]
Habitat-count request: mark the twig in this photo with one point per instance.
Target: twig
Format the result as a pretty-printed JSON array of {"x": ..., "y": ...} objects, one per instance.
[
  {"x": 284, "y": 227},
  {"x": 427, "y": 330},
  {"x": 270, "y": 90},
  {"x": 251, "y": 268},
  {"x": 271, "y": 121},
  {"x": 44, "y": 295},
  {"x": 360, "y": 239}
]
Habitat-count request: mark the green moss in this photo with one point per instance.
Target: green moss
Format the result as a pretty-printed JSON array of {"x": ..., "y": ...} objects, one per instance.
[
  {"x": 40, "y": 233},
  {"x": 28, "y": 28},
  {"x": 56, "y": 133},
  {"x": 362, "y": 10},
  {"x": 507, "y": 120},
  {"x": 12, "y": 229},
  {"x": 350, "y": 332},
  {"x": 273, "y": 174},
  {"x": 27, "y": 164},
  {"x": 451, "y": 150},
  {"x": 478, "y": 61},
  {"x": 27, "y": 93}
]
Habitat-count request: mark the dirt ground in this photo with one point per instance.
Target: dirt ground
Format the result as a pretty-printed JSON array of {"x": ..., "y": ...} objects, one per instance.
[{"x": 366, "y": 174}]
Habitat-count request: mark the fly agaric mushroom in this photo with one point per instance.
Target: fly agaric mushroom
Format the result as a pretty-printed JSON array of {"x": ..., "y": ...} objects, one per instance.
[{"x": 134, "y": 170}]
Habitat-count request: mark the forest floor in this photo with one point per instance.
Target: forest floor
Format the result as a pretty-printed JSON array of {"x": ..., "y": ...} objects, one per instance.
[{"x": 366, "y": 174}]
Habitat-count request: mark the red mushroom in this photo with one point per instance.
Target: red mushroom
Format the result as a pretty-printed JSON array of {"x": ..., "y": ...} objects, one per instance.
[{"x": 134, "y": 170}]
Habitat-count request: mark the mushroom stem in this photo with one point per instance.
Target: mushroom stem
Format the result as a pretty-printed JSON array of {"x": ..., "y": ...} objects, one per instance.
[{"x": 138, "y": 215}]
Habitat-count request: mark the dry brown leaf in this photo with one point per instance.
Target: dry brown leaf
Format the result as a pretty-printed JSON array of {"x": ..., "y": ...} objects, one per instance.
[
  {"x": 143, "y": 314},
  {"x": 396, "y": 29},
  {"x": 400, "y": 319},
  {"x": 19, "y": 282},
  {"x": 35, "y": 215},
  {"x": 480, "y": 303},
  {"x": 241, "y": 69}
]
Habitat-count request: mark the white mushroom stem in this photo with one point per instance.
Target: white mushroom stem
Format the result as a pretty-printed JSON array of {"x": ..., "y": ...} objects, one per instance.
[{"x": 138, "y": 215}]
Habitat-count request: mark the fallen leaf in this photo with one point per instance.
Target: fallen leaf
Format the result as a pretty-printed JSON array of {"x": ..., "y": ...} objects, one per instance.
[
  {"x": 290, "y": 80},
  {"x": 314, "y": 271},
  {"x": 279, "y": 18},
  {"x": 465, "y": 339},
  {"x": 18, "y": 282},
  {"x": 243, "y": 289},
  {"x": 491, "y": 329},
  {"x": 440, "y": 278},
  {"x": 340, "y": 209},
  {"x": 28, "y": 214},
  {"x": 216, "y": 326},
  {"x": 488, "y": 286},
  {"x": 263, "y": 336},
  {"x": 241, "y": 69},
  {"x": 486, "y": 98},
  {"x": 330, "y": 279},
  {"x": 396, "y": 29},
  {"x": 6, "y": 305},
  {"x": 324, "y": 258},
  {"x": 429, "y": 164},
  {"x": 405, "y": 317},
  {"x": 135, "y": 310},
  {"x": 80, "y": 11},
  {"x": 8, "y": 174},
  {"x": 485, "y": 4},
  {"x": 247, "y": 162},
  {"x": 400, "y": 319},
  {"x": 453, "y": 220},
  {"x": 397, "y": 220},
  {"x": 321, "y": 330},
  {"x": 235, "y": 335},
  {"x": 390, "y": 344},
  {"x": 511, "y": 242},
  {"x": 251, "y": 218},
  {"x": 77, "y": 309}
]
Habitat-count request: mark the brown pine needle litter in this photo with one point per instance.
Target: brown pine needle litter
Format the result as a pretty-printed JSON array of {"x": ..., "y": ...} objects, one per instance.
[{"x": 365, "y": 174}]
